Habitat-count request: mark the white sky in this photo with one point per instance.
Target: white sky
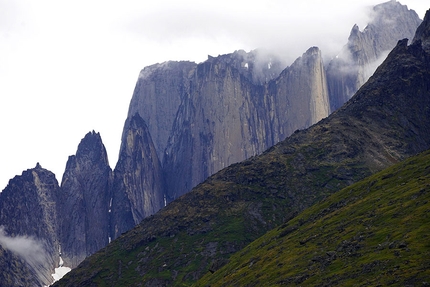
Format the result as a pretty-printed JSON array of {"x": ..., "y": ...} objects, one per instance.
[{"x": 69, "y": 67}]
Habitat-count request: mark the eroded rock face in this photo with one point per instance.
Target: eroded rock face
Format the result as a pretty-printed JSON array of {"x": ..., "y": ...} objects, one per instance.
[
  {"x": 228, "y": 108},
  {"x": 229, "y": 116},
  {"x": 365, "y": 50},
  {"x": 164, "y": 86},
  {"x": 15, "y": 271},
  {"x": 138, "y": 183},
  {"x": 28, "y": 216},
  {"x": 299, "y": 95},
  {"x": 235, "y": 106},
  {"x": 84, "y": 201}
]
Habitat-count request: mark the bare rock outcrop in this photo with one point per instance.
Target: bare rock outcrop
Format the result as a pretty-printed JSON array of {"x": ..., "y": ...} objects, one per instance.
[
  {"x": 138, "y": 183},
  {"x": 365, "y": 50},
  {"x": 29, "y": 223},
  {"x": 84, "y": 201}
]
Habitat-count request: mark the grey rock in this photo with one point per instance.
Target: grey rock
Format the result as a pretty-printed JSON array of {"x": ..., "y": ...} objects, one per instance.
[
  {"x": 138, "y": 183},
  {"x": 84, "y": 201},
  {"x": 367, "y": 49},
  {"x": 28, "y": 216}
]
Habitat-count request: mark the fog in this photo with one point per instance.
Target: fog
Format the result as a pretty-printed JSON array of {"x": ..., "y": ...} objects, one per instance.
[
  {"x": 67, "y": 68},
  {"x": 26, "y": 247}
]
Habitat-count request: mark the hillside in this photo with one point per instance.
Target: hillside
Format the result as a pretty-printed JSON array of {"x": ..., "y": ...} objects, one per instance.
[
  {"x": 385, "y": 122},
  {"x": 374, "y": 232}
]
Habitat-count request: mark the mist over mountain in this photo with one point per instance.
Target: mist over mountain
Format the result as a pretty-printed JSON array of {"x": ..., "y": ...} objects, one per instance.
[
  {"x": 30, "y": 223},
  {"x": 237, "y": 105},
  {"x": 188, "y": 121},
  {"x": 365, "y": 51},
  {"x": 384, "y": 123}
]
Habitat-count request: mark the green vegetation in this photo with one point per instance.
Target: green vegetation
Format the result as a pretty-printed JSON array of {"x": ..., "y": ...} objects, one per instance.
[{"x": 374, "y": 232}]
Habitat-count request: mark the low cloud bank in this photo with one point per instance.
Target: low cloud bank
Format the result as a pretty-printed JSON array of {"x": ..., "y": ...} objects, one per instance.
[{"x": 27, "y": 247}]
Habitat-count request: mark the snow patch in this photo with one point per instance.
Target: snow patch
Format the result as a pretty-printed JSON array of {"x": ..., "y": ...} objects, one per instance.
[
  {"x": 246, "y": 65},
  {"x": 60, "y": 272}
]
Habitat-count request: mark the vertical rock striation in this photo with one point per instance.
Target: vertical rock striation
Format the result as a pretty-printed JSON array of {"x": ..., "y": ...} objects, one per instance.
[
  {"x": 138, "y": 183},
  {"x": 84, "y": 201},
  {"x": 229, "y": 116},
  {"x": 163, "y": 86},
  {"x": 299, "y": 95},
  {"x": 365, "y": 50}
]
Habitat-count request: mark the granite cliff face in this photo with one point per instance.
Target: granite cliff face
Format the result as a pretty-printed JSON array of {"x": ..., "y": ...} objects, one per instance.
[
  {"x": 29, "y": 221},
  {"x": 230, "y": 107},
  {"x": 365, "y": 50},
  {"x": 299, "y": 95},
  {"x": 235, "y": 106},
  {"x": 84, "y": 200},
  {"x": 138, "y": 183},
  {"x": 164, "y": 86},
  {"x": 217, "y": 124}
]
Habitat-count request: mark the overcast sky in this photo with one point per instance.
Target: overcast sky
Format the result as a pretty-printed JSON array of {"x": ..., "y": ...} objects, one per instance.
[{"x": 69, "y": 67}]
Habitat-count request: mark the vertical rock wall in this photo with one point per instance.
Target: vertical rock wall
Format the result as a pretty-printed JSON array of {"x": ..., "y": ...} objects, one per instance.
[{"x": 84, "y": 201}]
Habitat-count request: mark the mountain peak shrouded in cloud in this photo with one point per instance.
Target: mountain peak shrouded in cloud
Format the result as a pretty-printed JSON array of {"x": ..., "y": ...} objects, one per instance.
[
  {"x": 27, "y": 247},
  {"x": 366, "y": 49},
  {"x": 196, "y": 119},
  {"x": 98, "y": 56},
  {"x": 385, "y": 122}
]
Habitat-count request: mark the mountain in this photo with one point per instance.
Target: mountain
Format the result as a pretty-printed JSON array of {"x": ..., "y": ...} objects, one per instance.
[
  {"x": 374, "y": 232},
  {"x": 84, "y": 200},
  {"x": 204, "y": 117},
  {"x": 366, "y": 49},
  {"x": 30, "y": 225},
  {"x": 186, "y": 122},
  {"x": 223, "y": 120},
  {"x": 138, "y": 185},
  {"x": 385, "y": 122}
]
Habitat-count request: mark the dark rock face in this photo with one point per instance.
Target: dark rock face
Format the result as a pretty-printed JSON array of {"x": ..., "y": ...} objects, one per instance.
[
  {"x": 15, "y": 271},
  {"x": 28, "y": 210},
  {"x": 84, "y": 201},
  {"x": 138, "y": 184},
  {"x": 367, "y": 49}
]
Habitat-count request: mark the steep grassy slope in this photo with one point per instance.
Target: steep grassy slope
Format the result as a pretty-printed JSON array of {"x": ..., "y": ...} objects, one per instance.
[
  {"x": 374, "y": 232},
  {"x": 387, "y": 121}
]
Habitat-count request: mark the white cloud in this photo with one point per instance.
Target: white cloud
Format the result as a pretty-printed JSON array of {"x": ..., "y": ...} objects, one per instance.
[{"x": 26, "y": 247}]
